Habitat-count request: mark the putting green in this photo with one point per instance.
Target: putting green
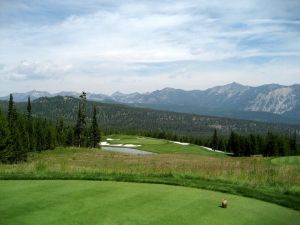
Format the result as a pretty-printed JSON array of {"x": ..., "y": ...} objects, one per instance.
[
  {"x": 107, "y": 203},
  {"x": 287, "y": 160}
]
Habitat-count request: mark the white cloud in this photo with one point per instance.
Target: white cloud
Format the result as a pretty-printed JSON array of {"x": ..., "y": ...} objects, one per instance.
[
  {"x": 39, "y": 70},
  {"x": 103, "y": 41}
]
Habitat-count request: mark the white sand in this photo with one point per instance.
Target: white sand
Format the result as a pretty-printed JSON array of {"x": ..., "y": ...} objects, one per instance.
[
  {"x": 105, "y": 143},
  {"x": 210, "y": 149},
  {"x": 131, "y": 145},
  {"x": 110, "y": 139},
  {"x": 179, "y": 143}
]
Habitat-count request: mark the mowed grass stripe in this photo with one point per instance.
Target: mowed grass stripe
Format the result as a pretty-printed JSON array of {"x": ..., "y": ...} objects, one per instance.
[{"x": 96, "y": 202}]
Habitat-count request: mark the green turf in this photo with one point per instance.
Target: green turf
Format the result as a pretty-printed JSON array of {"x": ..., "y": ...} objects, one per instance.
[
  {"x": 160, "y": 145},
  {"x": 107, "y": 203},
  {"x": 287, "y": 160}
]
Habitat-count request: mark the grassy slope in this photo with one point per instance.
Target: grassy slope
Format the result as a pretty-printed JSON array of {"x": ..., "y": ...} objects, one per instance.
[
  {"x": 252, "y": 177},
  {"x": 242, "y": 176},
  {"x": 90, "y": 202},
  {"x": 287, "y": 160},
  {"x": 160, "y": 145}
]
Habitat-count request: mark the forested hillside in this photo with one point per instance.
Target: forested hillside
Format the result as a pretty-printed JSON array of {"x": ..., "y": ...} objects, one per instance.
[
  {"x": 267, "y": 103},
  {"x": 21, "y": 133},
  {"x": 120, "y": 118}
]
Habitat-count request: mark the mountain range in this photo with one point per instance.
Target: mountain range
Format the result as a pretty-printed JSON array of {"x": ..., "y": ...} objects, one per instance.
[
  {"x": 270, "y": 103},
  {"x": 114, "y": 118}
]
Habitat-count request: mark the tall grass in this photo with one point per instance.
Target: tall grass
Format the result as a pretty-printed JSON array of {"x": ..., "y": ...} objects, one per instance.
[
  {"x": 224, "y": 174},
  {"x": 250, "y": 171}
]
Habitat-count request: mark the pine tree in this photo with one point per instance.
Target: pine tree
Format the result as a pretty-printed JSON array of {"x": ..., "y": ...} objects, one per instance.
[
  {"x": 60, "y": 133},
  {"x": 269, "y": 144},
  {"x": 281, "y": 146},
  {"x": 234, "y": 144},
  {"x": 39, "y": 136},
  {"x": 29, "y": 108},
  {"x": 15, "y": 151},
  {"x": 260, "y": 144},
  {"x": 214, "y": 141},
  {"x": 246, "y": 149},
  {"x": 95, "y": 134},
  {"x": 10, "y": 112},
  {"x": 19, "y": 151},
  {"x": 293, "y": 144},
  {"x": 4, "y": 132},
  {"x": 29, "y": 125},
  {"x": 80, "y": 124},
  {"x": 69, "y": 141},
  {"x": 253, "y": 144},
  {"x": 222, "y": 145},
  {"x": 49, "y": 140}
]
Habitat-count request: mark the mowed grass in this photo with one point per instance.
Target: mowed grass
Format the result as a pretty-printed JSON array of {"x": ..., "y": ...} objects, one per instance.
[
  {"x": 160, "y": 146},
  {"x": 287, "y": 160},
  {"x": 111, "y": 203}
]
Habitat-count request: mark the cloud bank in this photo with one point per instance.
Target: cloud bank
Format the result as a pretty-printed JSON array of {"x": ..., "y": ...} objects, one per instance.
[{"x": 105, "y": 46}]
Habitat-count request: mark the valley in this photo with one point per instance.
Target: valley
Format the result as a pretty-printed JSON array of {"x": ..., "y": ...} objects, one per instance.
[{"x": 138, "y": 112}]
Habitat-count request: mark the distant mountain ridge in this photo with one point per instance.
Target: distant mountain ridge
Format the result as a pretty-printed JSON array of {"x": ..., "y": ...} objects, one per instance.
[
  {"x": 270, "y": 102},
  {"x": 123, "y": 118},
  {"x": 22, "y": 97}
]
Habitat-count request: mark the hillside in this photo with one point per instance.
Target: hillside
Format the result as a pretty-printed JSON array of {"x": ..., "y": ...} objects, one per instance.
[{"x": 116, "y": 117}]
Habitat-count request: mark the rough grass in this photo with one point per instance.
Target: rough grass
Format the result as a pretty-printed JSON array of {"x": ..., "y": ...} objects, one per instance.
[{"x": 94, "y": 202}]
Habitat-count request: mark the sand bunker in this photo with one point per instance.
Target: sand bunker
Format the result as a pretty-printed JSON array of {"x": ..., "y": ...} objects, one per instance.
[
  {"x": 179, "y": 143},
  {"x": 210, "y": 149},
  {"x": 105, "y": 143}
]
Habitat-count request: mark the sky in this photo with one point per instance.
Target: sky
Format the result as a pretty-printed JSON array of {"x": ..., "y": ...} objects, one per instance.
[{"x": 103, "y": 46}]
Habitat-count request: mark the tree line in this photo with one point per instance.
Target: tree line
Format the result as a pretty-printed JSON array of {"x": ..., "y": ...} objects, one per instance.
[
  {"x": 269, "y": 144},
  {"x": 22, "y": 133}
]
